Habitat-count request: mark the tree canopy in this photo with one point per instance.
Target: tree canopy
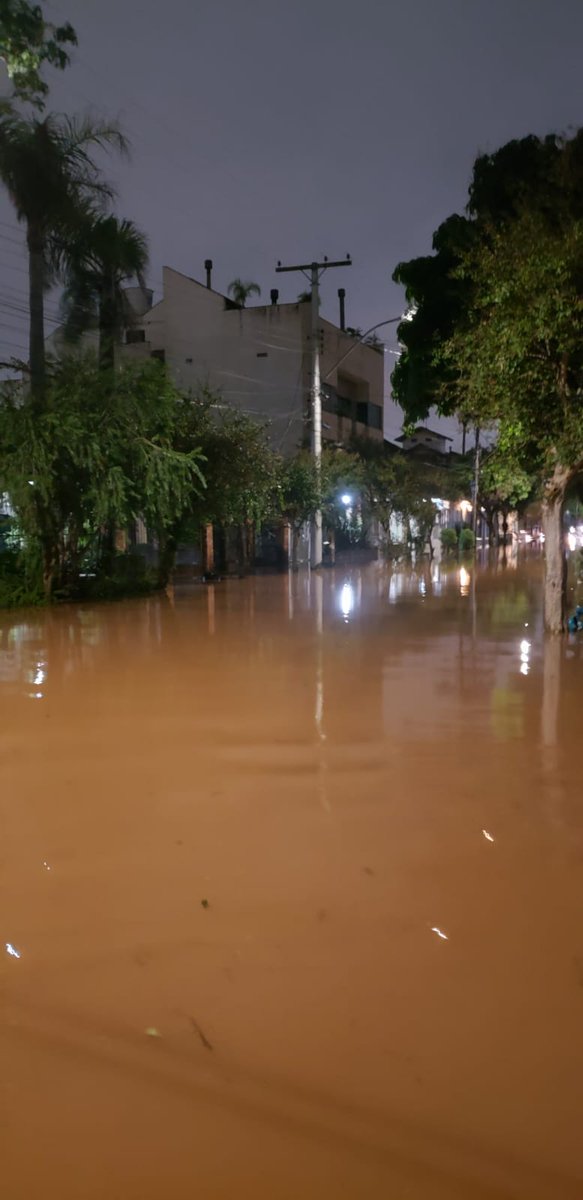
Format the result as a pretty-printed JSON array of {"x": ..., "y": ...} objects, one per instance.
[
  {"x": 497, "y": 323},
  {"x": 27, "y": 42}
]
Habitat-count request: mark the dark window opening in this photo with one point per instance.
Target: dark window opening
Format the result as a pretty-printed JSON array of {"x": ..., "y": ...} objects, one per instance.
[
  {"x": 159, "y": 354},
  {"x": 135, "y": 335}
]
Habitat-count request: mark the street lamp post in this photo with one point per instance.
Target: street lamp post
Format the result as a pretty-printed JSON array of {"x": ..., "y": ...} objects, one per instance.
[{"x": 358, "y": 342}]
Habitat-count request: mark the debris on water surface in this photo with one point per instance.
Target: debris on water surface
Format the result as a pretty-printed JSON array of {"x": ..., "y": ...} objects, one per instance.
[
  {"x": 205, "y": 903},
  {"x": 12, "y": 951},
  {"x": 197, "y": 1029},
  {"x": 151, "y": 1031}
]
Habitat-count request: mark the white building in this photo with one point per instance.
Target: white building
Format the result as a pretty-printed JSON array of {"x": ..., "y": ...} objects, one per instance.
[
  {"x": 428, "y": 439},
  {"x": 258, "y": 359}
]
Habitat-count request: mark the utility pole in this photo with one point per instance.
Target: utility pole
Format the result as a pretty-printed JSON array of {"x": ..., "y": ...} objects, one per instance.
[{"x": 316, "y": 270}]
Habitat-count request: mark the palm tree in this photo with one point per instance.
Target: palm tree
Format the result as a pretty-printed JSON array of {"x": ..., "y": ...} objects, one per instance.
[
  {"x": 241, "y": 291},
  {"x": 105, "y": 254},
  {"x": 49, "y": 173}
]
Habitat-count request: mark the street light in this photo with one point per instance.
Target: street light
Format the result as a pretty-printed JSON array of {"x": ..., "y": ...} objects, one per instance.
[{"x": 358, "y": 341}]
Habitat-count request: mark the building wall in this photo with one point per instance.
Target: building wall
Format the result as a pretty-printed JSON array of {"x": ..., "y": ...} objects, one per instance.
[
  {"x": 254, "y": 358},
  {"x": 348, "y": 383}
]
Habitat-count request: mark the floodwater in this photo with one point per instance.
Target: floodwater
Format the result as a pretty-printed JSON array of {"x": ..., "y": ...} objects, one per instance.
[{"x": 292, "y": 893}]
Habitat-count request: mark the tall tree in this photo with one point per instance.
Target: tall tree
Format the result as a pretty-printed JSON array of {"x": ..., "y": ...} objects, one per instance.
[
  {"x": 504, "y": 284},
  {"x": 27, "y": 41},
  {"x": 517, "y": 358},
  {"x": 241, "y": 291},
  {"x": 49, "y": 172},
  {"x": 103, "y": 254}
]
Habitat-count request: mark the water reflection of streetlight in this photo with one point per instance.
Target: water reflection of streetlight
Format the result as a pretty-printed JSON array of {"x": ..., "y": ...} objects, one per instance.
[
  {"x": 524, "y": 657},
  {"x": 347, "y": 601},
  {"x": 464, "y": 578}
]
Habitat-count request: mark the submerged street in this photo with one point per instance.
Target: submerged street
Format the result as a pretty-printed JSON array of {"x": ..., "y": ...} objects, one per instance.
[{"x": 292, "y": 890}]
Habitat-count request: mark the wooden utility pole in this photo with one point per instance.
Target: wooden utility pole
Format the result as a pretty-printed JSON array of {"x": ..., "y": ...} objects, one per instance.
[{"x": 316, "y": 270}]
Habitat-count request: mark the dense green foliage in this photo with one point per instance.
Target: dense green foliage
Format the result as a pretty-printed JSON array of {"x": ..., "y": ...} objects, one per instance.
[
  {"x": 496, "y": 327},
  {"x": 27, "y": 42},
  {"x": 101, "y": 453}
]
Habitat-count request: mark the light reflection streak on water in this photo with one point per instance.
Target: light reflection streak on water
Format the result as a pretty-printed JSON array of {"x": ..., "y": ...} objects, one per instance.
[
  {"x": 346, "y": 601},
  {"x": 440, "y": 933},
  {"x": 464, "y": 578},
  {"x": 524, "y": 657}
]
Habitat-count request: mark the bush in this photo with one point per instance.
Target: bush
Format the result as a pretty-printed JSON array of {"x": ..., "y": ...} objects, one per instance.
[
  {"x": 448, "y": 539},
  {"x": 129, "y": 576},
  {"x": 467, "y": 540},
  {"x": 17, "y": 587}
]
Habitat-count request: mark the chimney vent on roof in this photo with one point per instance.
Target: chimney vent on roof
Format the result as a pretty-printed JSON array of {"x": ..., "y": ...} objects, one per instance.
[
  {"x": 208, "y": 266},
  {"x": 274, "y": 295},
  {"x": 341, "y": 296}
]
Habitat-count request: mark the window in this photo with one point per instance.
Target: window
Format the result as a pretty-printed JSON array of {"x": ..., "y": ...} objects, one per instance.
[
  {"x": 135, "y": 335},
  {"x": 375, "y": 416},
  {"x": 362, "y": 412},
  {"x": 159, "y": 354}
]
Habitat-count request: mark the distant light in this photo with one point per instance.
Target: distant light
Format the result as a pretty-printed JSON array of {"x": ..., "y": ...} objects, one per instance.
[
  {"x": 10, "y": 950},
  {"x": 439, "y": 933},
  {"x": 346, "y": 499},
  {"x": 525, "y": 647},
  {"x": 488, "y": 836}
]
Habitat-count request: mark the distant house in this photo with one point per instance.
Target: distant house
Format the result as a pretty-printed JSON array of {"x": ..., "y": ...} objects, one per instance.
[{"x": 426, "y": 438}]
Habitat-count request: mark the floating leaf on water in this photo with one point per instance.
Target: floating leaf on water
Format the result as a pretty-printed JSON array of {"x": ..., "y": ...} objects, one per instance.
[
  {"x": 205, "y": 903},
  {"x": 151, "y": 1031}
]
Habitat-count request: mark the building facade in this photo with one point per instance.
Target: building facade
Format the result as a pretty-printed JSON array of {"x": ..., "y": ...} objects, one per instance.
[{"x": 259, "y": 360}]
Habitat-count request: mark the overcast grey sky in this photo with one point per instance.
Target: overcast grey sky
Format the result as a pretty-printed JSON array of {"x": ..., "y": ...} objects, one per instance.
[{"x": 266, "y": 129}]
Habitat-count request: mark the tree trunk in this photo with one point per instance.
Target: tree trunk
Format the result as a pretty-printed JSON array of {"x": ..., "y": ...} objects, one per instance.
[
  {"x": 208, "y": 550},
  {"x": 167, "y": 547},
  {"x": 50, "y": 561},
  {"x": 505, "y": 526},
  {"x": 250, "y": 544},
  {"x": 36, "y": 302},
  {"x": 555, "y": 595},
  {"x": 295, "y": 541},
  {"x": 107, "y": 324}
]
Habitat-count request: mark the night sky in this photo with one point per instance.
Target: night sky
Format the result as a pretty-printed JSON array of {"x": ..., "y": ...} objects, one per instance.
[{"x": 264, "y": 130}]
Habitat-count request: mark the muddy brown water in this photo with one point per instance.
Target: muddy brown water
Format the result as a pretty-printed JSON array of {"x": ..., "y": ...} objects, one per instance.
[{"x": 294, "y": 872}]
